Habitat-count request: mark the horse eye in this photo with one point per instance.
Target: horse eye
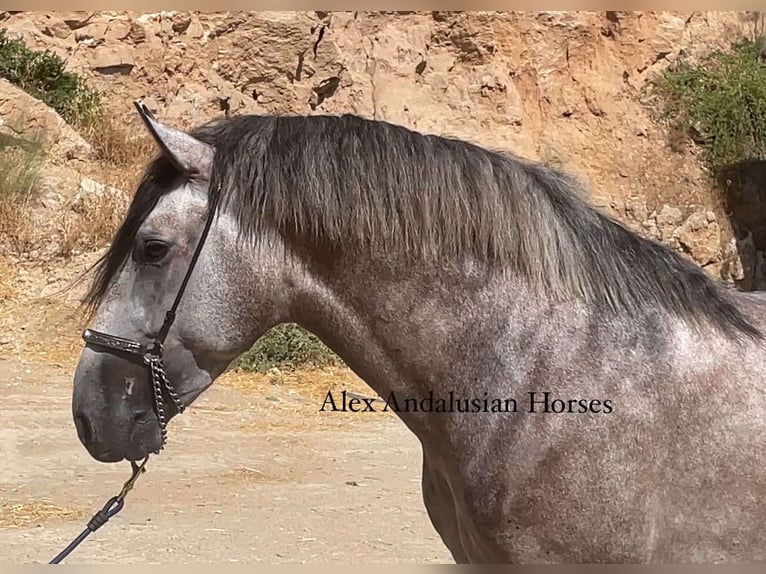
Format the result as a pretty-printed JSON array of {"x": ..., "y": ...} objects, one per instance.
[{"x": 154, "y": 251}]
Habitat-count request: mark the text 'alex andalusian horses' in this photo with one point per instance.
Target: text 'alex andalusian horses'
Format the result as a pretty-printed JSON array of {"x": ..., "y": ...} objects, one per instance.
[{"x": 633, "y": 419}]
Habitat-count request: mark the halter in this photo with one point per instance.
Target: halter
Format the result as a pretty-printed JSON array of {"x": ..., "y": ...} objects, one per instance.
[{"x": 151, "y": 354}]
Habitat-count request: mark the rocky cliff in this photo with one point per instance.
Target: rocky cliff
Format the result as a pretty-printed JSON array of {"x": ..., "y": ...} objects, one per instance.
[{"x": 562, "y": 87}]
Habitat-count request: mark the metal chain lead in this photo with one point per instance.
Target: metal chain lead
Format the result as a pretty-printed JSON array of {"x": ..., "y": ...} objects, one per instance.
[
  {"x": 170, "y": 388},
  {"x": 158, "y": 403},
  {"x": 159, "y": 381}
]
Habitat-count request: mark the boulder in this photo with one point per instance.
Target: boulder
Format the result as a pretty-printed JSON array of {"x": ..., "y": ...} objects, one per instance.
[
  {"x": 114, "y": 58},
  {"x": 29, "y": 119},
  {"x": 91, "y": 191},
  {"x": 700, "y": 238}
]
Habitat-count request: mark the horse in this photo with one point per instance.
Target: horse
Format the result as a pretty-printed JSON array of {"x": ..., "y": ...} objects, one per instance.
[{"x": 581, "y": 393}]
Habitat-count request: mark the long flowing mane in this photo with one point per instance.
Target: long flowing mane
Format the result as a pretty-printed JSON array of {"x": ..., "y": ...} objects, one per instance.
[{"x": 350, "y": 182}]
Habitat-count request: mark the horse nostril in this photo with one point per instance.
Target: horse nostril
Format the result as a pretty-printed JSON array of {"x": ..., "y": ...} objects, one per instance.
[
  {"x": 82, "y": 424},
  {"x": 143, "y": 417}
]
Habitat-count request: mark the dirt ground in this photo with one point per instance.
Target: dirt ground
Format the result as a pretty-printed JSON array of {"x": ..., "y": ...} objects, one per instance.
[{"x": 252, "y": 473}]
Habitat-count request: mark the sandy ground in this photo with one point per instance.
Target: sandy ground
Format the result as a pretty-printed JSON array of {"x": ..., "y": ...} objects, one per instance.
[{"x": 252, "y": 473}]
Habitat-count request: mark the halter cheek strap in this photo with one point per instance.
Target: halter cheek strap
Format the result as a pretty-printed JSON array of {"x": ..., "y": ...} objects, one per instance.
[{"x": 151, "y": 354}]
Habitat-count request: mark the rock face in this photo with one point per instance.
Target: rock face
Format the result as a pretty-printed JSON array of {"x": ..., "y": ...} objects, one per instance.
[
  {"x": 562, "y": 87},
  {"x": 696, "y": 233}
]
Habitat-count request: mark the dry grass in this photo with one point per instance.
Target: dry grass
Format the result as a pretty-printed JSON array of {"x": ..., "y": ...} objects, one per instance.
[
  {"x": 123, "y": 148},
  {"x": 120, "y": 142},
  {"x": 16, "y": 228},
  {"x": 28, "y": 514},
  {"x": 92, "y": 225},
  {"x": 19, "y": 174},
  {"x": 7, "y": 276},
  {"x": 20, "y": 163}
]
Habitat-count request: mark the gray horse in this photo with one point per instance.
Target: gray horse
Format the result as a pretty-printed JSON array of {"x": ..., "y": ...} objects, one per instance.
[{"x": 581, "y": 394}]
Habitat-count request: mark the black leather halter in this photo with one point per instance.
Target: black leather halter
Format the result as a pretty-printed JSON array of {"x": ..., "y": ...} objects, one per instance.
[{"x": 151, "y": 353}]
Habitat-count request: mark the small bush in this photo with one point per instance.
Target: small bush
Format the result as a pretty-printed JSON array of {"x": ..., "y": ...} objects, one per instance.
[
  {"x": 720, "y": 103},
  {"x": 287, "y": 346},
  {"x": 43, "y": 75}
]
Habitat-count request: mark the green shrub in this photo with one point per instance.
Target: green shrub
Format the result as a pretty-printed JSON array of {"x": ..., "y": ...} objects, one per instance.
[
  {"x": 43, "y": 75},
  {"x": 720, "y": 103},
  {"x": 286, "y": 346}
]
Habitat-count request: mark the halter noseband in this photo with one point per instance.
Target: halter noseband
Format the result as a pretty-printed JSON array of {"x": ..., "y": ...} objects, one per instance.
[{"x": 151, "y": 354}]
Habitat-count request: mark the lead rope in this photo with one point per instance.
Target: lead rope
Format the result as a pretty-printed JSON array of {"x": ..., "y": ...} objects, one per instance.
[{"x": 112, "y": 507}]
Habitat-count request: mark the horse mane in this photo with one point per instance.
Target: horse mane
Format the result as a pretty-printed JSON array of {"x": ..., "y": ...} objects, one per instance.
[{"x": 349, "y": 182}]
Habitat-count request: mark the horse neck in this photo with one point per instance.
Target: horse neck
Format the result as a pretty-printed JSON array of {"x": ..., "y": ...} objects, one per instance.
[
  {"x": 404, "y": 328},
  {"x": 463, "y": 328}
]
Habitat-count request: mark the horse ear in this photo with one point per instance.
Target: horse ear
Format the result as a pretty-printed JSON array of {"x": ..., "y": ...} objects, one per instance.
[{"x": 190, "y": 155}]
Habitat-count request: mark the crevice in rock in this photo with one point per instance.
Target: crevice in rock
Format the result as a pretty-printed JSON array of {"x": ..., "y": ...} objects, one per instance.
[
  {"x": 320, "y": 36},
  {"x": 299, "y": 67},
  {"x": 117, "y": 69},
  {"x": 326, "y": 89}
]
